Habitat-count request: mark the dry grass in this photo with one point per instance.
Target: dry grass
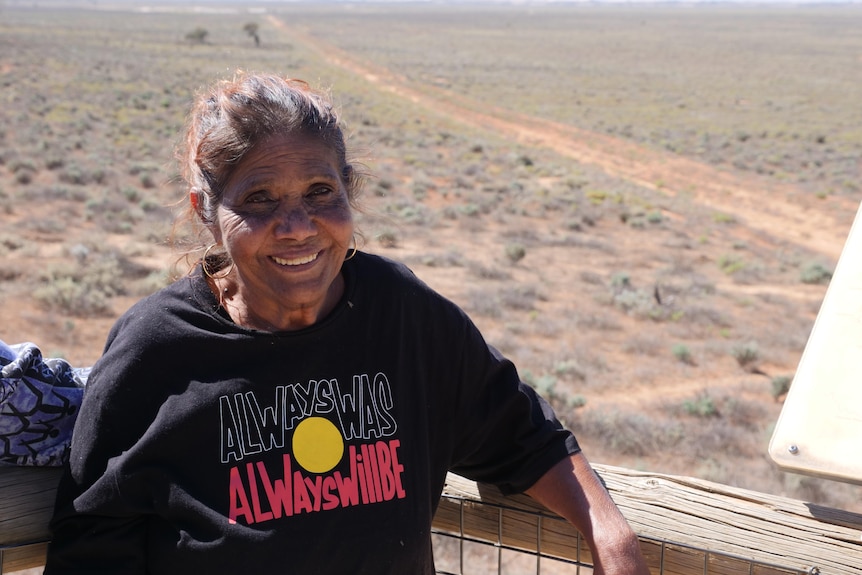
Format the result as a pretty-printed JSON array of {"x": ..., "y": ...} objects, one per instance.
[{"x": 592, "y": 269}]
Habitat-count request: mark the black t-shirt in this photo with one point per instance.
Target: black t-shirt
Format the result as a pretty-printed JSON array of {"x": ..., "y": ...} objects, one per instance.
[{"x": 206, "y": 447}]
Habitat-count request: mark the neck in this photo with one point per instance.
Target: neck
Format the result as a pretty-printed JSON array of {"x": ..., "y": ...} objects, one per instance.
[{"x": 238, "y": 307}]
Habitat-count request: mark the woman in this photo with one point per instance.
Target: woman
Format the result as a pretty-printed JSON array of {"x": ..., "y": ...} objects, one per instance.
[{"x": 293, "y": 405}]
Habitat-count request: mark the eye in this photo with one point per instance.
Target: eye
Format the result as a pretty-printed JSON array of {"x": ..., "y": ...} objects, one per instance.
[
  {"x": 321, "y": 193},
  {"x": 258, "y": 197},
  {"x": 256, "y": 202},
  {"x": 321, "y": 190}
]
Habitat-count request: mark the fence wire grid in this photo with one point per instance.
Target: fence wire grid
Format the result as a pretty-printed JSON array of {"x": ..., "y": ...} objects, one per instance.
[
  {"x": 478, "y": 538},
  {"x": 460, "y": 548}
]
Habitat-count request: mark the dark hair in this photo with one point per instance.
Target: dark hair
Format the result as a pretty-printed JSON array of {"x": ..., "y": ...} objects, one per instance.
[{"x": 232, "y": 116}]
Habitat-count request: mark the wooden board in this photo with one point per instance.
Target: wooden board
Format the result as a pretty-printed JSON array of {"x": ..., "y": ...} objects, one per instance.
[
  {"x": 819, "y": 430},
  {"x": 687, "y": 526},
  {"x": 677, "y": 518},
  {"x": 26, "y": 504}
]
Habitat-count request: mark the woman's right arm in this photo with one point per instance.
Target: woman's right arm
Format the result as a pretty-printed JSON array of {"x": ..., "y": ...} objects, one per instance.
[
  {"x": 92, "y": 541},
  {"x": 97, "y": 527},
  {"x": 94, "y": 528}
]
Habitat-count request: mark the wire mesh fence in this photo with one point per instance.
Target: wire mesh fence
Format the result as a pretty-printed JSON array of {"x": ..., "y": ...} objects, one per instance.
[
  {"x": 479, "y": 538},
  {"x": 687, "y": 526}
]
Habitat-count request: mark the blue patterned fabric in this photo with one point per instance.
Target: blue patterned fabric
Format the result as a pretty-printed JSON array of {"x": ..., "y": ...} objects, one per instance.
[{"x": 39, "y": 399}]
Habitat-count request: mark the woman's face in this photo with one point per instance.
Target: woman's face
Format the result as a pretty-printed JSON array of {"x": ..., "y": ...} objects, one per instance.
[{"x": 286, "y": 222}]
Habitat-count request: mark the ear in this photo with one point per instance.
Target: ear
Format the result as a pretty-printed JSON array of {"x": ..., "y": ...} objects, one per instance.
[{"x": 196, "y": 201}]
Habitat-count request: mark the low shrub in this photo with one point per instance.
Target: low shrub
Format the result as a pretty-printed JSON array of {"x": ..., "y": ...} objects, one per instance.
[
  {"x": 387, "y": 239},
  {"x": 515, "y": 252},
  {"x": 780, "y": 385},
  {"x": 815, "y": 273},
  {"x": 701, "y": 406},
  {"x": 731, "y": 264},
  {"x": 569, "y": 368},
  {"x": 69, "y": 295},
  {"x": 747, "y": 354},
  {"x": 682, "y": 353},
  {"x": 629, "y": 434},
  {"x": 519, "y": 297},
  {"x": 84, "y": 290}
]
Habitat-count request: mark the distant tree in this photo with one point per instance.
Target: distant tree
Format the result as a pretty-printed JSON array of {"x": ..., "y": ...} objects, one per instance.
[
  {"x": 251, "y": 29},
  {"x": 197, "y": 36}
]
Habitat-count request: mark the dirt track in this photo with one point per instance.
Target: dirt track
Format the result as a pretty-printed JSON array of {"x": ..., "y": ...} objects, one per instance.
[
  {"x": 790, "y": 216},
  {"x": 794, "y": 217}
]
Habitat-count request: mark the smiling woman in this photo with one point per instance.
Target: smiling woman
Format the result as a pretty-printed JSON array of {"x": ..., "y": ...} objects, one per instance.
[
  {"x": 284, "y": 221},
  {"x": 293, "y": 405},
  {"x": 270, "y": 180}
]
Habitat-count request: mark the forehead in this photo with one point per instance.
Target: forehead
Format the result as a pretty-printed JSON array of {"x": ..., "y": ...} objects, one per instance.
[{"x": 288, "y": 155}]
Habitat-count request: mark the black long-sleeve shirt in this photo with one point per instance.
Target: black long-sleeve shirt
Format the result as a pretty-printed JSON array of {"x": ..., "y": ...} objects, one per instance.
[{"x": 206, "y": 447}]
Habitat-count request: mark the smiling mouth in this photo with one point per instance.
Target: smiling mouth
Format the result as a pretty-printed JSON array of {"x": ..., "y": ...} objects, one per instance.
[{"x": 295, "y": 261}]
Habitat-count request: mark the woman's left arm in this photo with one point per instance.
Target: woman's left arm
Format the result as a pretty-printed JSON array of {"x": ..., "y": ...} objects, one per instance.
[{"x": 573, "y": 490}]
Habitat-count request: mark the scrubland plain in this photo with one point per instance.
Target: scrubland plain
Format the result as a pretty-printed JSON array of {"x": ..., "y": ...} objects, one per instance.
[{"x": 642, "y": 206}]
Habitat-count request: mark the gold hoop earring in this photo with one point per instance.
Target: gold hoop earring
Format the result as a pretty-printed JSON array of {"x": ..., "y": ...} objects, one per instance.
[
  {"x": 352, "y": 254},
  {"x": 206, "y": 267}
]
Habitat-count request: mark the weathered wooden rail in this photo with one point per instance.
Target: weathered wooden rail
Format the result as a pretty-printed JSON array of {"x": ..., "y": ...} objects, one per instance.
[
  {"x": 687, "y": 526},
  {"x": 26, "y": 503}
]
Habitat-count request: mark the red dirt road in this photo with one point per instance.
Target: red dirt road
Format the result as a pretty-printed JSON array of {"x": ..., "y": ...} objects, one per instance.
[{"x": 819, "y": 224}]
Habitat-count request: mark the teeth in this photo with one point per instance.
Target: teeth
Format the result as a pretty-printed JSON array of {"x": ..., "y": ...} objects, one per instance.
[{"x": 295, "y": 261}]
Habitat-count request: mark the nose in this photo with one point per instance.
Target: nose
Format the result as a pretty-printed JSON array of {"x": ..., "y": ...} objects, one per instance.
[{"x": 295, "y": 223}]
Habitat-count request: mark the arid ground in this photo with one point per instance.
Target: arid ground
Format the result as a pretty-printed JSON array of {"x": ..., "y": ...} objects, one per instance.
[{"x": 641, "y": 206}]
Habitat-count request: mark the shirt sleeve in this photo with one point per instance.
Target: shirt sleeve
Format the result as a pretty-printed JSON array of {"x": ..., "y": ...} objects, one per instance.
[
  {"x": 96, "y": 528},
  {"x": 507, "y": 434},
  {"x": 88, "y": 537}
]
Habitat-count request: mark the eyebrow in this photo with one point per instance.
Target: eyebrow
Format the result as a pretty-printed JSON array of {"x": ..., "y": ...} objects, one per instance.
[{"x": 325, "y": 172}]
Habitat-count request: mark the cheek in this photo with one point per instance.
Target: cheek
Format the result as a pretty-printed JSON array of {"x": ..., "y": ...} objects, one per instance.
[
  {"x": 338, "y": 219},
  {"x": 236, "y": 232}
]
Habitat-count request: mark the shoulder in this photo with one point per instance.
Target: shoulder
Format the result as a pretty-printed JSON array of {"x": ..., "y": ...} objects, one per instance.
[
  {"x": 380, "y": 267},
  {"x": 149, "y": 344},
  {"x": 161, "y": 314},
  {"x": 389, "y": 277},
  {"x": 393, "y": 284},
  {"x": 388, "y": 288},
  {"x": 155, "y": 327}
]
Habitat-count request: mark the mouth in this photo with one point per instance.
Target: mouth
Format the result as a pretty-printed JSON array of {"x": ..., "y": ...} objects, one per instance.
[{"x": 295, "y": 261}]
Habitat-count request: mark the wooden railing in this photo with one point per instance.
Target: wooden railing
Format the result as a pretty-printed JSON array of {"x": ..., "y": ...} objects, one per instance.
[
  {"x": 26, "y": 503},
  {"x": 687, "y": 526}
]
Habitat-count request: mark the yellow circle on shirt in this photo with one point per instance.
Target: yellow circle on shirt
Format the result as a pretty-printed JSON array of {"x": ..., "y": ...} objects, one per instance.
[{"x": 317, "y": 445}]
